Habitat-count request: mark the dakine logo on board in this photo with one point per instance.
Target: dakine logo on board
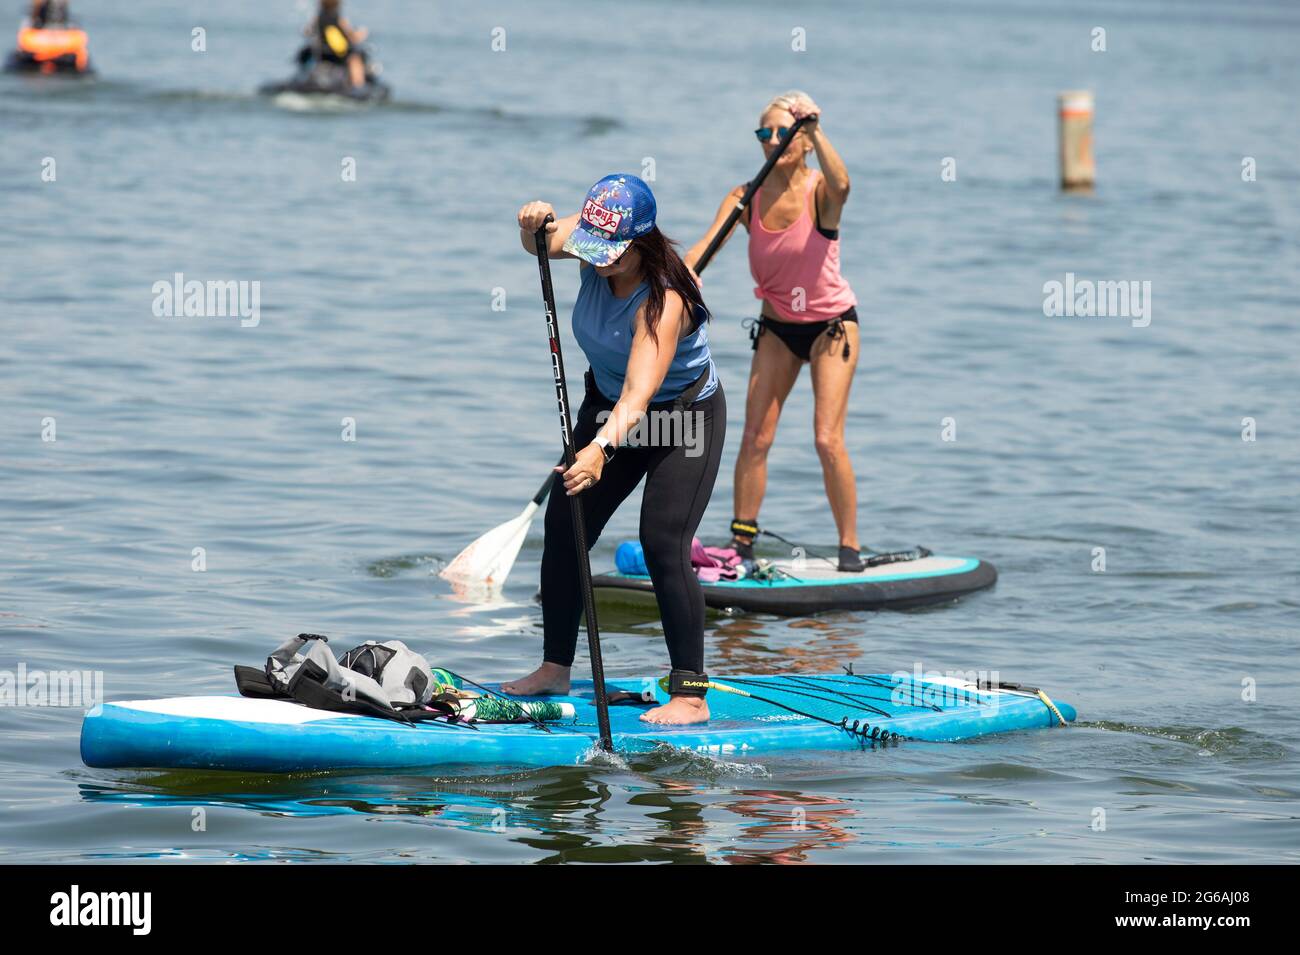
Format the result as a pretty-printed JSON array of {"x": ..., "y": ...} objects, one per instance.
[
  {"x": 73, "y": 908},
  {"x": 601, "y": 217}
]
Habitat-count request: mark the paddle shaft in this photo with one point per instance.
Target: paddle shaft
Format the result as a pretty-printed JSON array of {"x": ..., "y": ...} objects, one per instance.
[
  {"x": 545, "y": 489},
  {"x": 744, "y": 201},
  {"x": 541, "y": 239}
]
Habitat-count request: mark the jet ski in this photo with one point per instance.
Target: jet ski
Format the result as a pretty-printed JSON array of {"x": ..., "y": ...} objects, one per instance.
[
  {"x": 50, "y": 49},
  {"x": 321, "y": 81}
]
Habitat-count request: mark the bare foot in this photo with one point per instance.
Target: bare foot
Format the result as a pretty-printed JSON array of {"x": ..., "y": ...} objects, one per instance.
[
  {"x": 679, "y": 710},
  {"x": 549, "y": 679}
]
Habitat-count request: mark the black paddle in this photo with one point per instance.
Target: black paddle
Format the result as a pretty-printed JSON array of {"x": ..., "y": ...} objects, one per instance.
[
  {"x": 744, "y": 201},
  {"x": 540, "y": 239}
]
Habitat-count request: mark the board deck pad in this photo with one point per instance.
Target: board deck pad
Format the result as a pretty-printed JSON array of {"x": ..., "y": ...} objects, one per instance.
[
  {"x": 279, "y": 736},
  {"x": 814, "y": 585}
]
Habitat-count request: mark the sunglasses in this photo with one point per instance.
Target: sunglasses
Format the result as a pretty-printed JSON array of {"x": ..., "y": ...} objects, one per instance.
[{"x": 765, "y": 134}]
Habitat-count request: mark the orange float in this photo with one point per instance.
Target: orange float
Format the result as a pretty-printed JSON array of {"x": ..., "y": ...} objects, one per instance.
[{"x": 52, "y": 48}]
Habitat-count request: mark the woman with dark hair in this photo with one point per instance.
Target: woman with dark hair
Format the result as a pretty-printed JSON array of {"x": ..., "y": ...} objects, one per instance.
[{"x": 653, "y": 409}]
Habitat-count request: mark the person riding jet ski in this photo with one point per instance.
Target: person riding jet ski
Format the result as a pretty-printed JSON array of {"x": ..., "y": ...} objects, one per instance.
[
  {"x": 48, "y": 42},
  {"x": 332, "y": 62},
  {"x": 49, "y": 13},
  {"x": 333, "y": 40}
]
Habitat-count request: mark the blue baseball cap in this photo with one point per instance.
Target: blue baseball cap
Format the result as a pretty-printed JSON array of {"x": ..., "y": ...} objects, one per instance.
[{"x": 618, "y": 209}]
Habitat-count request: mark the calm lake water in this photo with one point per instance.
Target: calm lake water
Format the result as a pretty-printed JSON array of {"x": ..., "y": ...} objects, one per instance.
[{"x": 376, "y": 305}]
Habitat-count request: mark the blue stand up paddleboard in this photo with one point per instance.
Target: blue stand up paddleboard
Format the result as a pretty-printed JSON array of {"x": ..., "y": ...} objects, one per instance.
[
  {"x": 751, "y": 716},
  {"x": 814, "y": 584}
]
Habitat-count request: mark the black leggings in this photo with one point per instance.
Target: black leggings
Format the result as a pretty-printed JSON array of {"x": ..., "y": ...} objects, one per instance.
[{"x": 678, "y": 483}]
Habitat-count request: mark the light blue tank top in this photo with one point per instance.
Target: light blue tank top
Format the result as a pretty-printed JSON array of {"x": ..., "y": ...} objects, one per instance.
[{"x": 602, "y": 325}]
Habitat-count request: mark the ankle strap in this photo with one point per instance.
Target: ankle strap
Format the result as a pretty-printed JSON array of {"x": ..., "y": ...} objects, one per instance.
[
  {"x": 748, "y": 528},
  {"x": 687, "y": 683}
]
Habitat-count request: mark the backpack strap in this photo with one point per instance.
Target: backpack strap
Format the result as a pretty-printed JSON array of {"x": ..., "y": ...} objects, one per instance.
[
  {"x": 308, "y": 687},
  {"x": 311, "y": 692},
  {"x": 254, "y": 683}
]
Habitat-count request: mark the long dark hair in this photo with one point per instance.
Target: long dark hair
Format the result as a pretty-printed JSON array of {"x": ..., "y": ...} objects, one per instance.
[{"x": 663, "y": 269}]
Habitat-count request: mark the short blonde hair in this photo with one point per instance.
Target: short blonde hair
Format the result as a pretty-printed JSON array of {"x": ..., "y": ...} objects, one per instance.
[{"x": 785, "y": 101}]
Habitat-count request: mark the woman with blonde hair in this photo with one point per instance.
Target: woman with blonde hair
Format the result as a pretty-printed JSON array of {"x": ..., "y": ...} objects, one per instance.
[{"x": 808, "y": 314}]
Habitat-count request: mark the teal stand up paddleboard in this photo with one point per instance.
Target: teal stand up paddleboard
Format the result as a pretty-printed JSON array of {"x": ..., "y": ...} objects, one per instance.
[
  {"x": 814, "y": 585},
  {"x": 752, "y": 716}
]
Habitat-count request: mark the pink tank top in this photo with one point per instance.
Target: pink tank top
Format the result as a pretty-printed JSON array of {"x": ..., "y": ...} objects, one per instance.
[{"x": 798, "y": 258}]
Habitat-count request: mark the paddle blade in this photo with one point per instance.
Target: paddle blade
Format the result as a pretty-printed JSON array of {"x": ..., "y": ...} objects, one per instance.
[{"x": 490, "y": 558}]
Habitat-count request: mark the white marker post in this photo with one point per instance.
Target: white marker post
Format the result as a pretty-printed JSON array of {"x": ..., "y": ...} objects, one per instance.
[{"x": 1078, "y": 171}]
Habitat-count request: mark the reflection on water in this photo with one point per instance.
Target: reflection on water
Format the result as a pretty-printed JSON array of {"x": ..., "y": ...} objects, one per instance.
[
  {"x": 793, "y": 824},
  {"x": 556, "y": 815},
  {"x": 816, "y": 645}
]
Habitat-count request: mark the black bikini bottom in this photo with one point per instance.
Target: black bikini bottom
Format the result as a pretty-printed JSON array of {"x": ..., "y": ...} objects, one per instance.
[{"x": 799, "y": 336}]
